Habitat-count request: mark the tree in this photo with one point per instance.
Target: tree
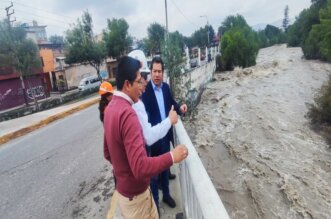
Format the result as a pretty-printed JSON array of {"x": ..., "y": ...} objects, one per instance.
[
  {"x": 318, "y": 43},
  {"x": 172, "y": 52},
  {"x": 81, "y": 46},
  {"x": 188, "y": 41},
  {"x": 55, "y": 39},
  {"x": 155, "y": 34},
  {"x": 18, "y": 52},
  {"x": 177, "y": 38},
  {"x": 200, "y": 37},
  {"x": 325, "y": 46},
  {"x": 274, "y": 35},
  {"x": 319, "y": 3},
  {"x": 286, "y": 19},
  {"x": 263, "y": 40},
  {"x": 232, "y": 21},
  {"x": 117, "y": 38},
  {"x": 320, "y": 112},
  {"x": 239, "y": 44},
  {"x": 298, "y": 33}
]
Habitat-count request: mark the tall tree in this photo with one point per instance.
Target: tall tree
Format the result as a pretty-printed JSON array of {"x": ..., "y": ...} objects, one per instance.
[
  {"x": 298, "y": 32},
  {"x": 17, "y": 51},
  {"x": 239, "y": 43},
  {"x": 172, "y": 52},
  {"x": 318, "y": 43},
  {"x": 273, "y": 34},
  {"x": 201, "y": 37},
  {"x": 56, "y": 39},
  {"x": 155, "y": 34},
  {"x": 325, "y": 46},
  {"x": 233, "y": 21},
  {"x": 117, "y": 38},
  {"x": 81, "y": 45},
  {"x": 177, "y": 38},
  {"x": 286, "y": 19},
  {"x": 320, "y": 3}
]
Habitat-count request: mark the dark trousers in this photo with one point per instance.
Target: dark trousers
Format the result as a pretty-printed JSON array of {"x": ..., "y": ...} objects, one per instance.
[
  {"x": 164, "y": 178},
  {"x": 157, "y": 150}
]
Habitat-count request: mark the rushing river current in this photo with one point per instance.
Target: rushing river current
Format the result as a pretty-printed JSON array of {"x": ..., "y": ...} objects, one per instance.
[{"x": 252, "y": 134}]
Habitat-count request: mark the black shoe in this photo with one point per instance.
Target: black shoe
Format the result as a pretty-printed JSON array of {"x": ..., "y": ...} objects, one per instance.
[
  {"x": 169, "y": 201},
  {"x": 180, "y": 215},
  {"x": 172, "y": 176}
]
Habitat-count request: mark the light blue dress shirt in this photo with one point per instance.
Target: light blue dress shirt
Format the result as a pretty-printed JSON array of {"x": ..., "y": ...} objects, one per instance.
[{"x": 160, "y": 100}]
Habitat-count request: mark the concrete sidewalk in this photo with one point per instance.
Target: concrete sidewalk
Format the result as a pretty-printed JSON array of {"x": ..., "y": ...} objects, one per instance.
[{"x": 20, "y": 126}]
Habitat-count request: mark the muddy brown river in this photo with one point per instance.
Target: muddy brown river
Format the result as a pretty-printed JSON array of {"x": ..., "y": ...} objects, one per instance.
[{"x": 252, "y": 134}]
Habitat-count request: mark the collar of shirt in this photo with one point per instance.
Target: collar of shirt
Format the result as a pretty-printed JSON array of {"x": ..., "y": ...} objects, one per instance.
[
  {"x": 123, "y": 95},
  {"x": 156, "y": 87}
]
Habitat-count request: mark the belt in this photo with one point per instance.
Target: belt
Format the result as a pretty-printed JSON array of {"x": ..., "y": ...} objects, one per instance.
[{"x": 136, "y": 196}]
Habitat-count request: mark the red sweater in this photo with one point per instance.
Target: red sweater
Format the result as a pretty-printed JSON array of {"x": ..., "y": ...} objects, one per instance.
[{"x": 124, "y": 147}]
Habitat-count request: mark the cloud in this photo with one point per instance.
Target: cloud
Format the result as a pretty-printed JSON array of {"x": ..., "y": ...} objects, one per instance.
[{"x": 183, "y": 15}]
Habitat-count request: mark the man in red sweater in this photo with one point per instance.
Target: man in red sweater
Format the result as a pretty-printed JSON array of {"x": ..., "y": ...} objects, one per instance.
[{"x": 124, "y": 146}]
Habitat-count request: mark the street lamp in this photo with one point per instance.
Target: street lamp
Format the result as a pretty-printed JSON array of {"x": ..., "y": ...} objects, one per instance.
[{"x": 205, "y": 16}]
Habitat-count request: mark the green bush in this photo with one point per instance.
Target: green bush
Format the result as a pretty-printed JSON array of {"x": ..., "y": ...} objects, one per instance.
[
  {"x": 240, "y": 44},
  {"x": 312, "y": 31},
  {"x": 320, "y": 112},
  {"x": 239, "y": 48}
]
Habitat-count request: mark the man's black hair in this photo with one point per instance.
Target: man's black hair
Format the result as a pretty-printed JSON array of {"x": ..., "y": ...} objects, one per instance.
[
  {"x": 126, "y": 70},
  {"x": 157, "y": 60}
]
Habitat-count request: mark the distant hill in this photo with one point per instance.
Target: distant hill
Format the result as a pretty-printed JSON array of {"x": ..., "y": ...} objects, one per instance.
[{"x": 277, "y": 23}]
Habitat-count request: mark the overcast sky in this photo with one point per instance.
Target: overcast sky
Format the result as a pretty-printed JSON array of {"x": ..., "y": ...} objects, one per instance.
[{"x": 183, "y": 15}]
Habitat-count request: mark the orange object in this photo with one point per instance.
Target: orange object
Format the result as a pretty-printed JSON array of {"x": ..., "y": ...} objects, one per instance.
[{"x": 106, "y": 87}]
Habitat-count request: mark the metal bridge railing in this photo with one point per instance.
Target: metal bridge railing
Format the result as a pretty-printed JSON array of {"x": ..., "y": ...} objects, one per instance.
[{"x": 199, "y": 196}]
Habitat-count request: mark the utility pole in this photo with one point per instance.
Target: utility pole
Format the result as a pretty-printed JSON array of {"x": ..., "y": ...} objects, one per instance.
[
  {"x": 20, "y": 73},
  {"x": 167, "y": 52},
  {"x": 166, "y": 14},
  {"x": 207, "y": 27},
  {"x": 9, "y": 14}
]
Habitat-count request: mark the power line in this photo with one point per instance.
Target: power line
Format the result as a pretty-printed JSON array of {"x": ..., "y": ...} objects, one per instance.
[
  {"x": 39, "y": 9},
  {"x": 51, "y": 20},
  {"x": 43, "y": 10},
  {"x": 37, "y": 15},
  {"x": 180, "y": 11},
  {"x": 51, "y": 24}
]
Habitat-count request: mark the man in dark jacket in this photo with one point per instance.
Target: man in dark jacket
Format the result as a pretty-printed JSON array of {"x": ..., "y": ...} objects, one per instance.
[{"x": 158, "y": 100}]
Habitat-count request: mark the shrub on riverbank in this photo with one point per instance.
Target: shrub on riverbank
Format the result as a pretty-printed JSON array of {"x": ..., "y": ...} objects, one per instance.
[{"x": 320, "y": 112}]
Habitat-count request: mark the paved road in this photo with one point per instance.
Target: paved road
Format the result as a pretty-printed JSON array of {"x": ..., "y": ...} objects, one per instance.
[{"x": 57, "y": 171}]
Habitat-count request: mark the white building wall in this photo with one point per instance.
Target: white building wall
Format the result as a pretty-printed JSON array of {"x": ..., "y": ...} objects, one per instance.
[{"x": 75, "y": 73}]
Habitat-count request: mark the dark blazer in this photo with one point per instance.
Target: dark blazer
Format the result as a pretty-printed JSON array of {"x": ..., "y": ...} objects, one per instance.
[{"x": 153, "y": 111}]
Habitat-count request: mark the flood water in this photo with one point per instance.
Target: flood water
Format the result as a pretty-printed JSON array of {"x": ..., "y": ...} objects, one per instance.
[{"x": 252, "y": 135}]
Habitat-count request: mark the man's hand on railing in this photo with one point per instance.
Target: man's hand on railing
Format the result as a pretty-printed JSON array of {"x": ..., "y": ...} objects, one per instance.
[
  {"x": 179, "y": 153},
  {"x": 183, "y": 108}
]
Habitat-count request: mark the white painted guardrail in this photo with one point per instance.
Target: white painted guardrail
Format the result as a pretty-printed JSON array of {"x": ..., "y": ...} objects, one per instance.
[{"x": 199, "y": 196}]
